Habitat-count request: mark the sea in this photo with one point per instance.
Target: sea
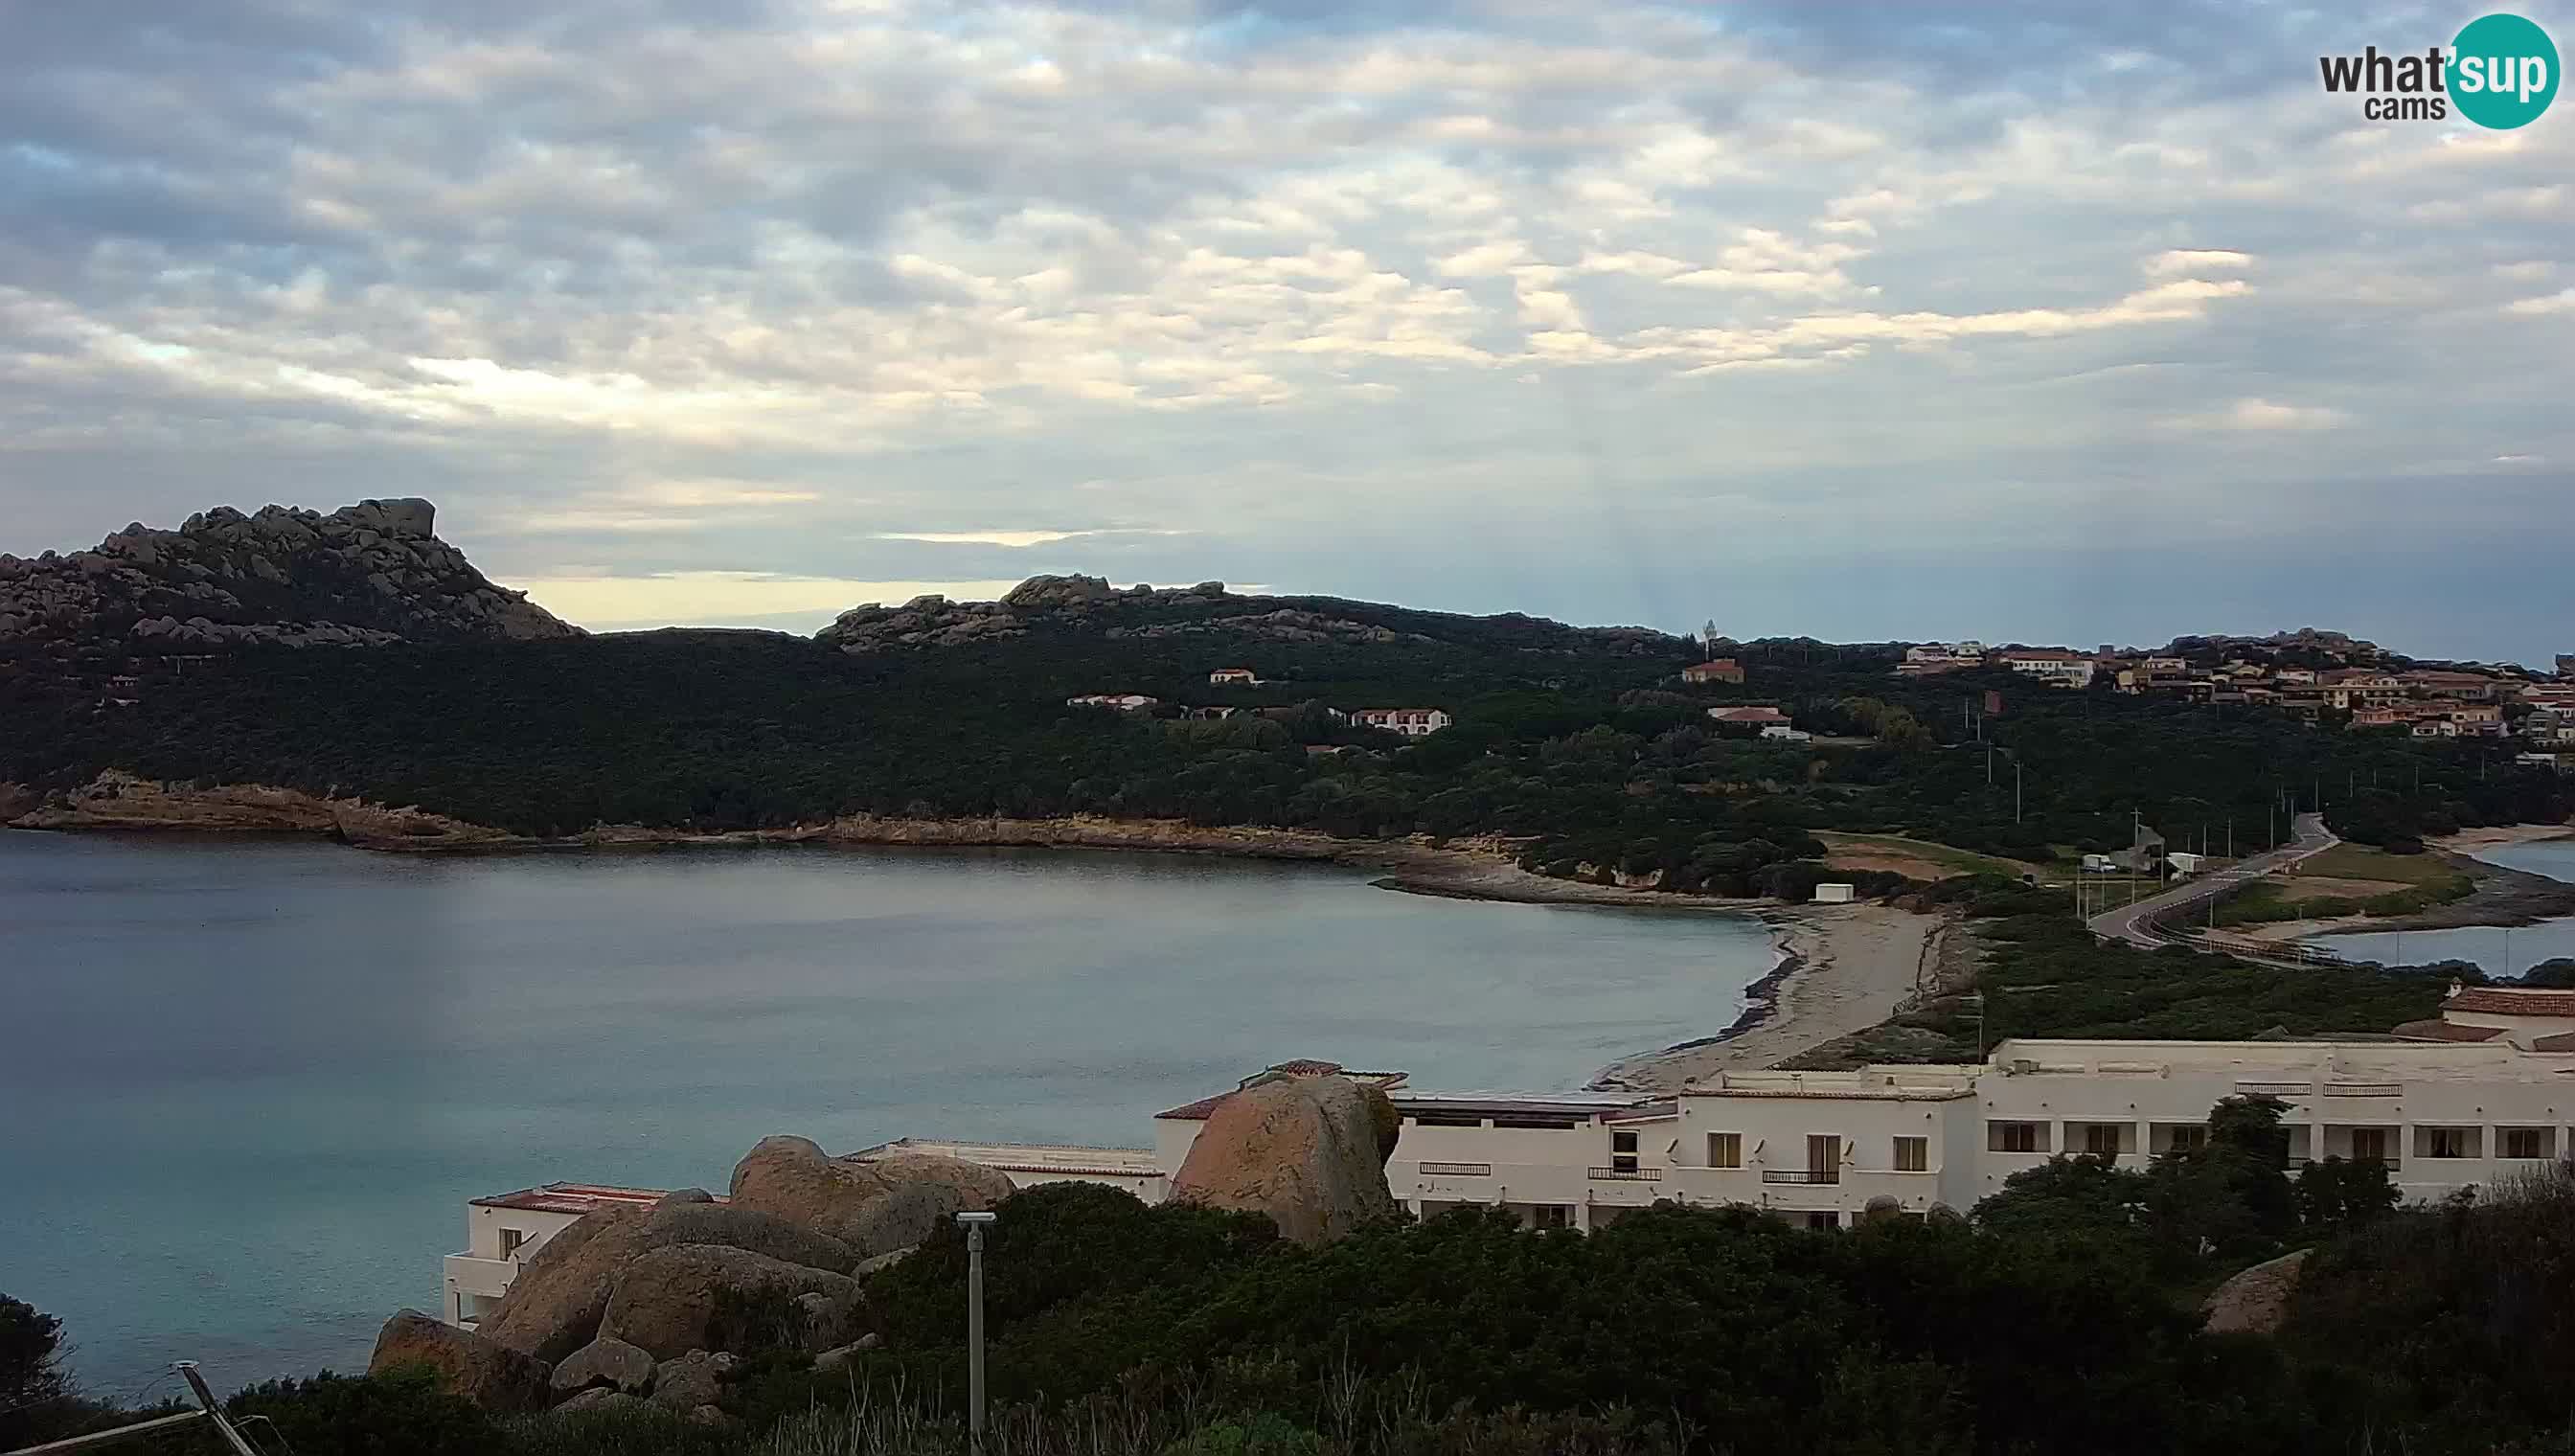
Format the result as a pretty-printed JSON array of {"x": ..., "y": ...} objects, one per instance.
[
  {"x": 247, "y": 1086},
  {"x": 2500, "y": 951}
]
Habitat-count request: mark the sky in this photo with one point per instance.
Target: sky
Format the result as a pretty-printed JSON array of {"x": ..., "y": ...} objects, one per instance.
[{"x": 2015, "y": 320}]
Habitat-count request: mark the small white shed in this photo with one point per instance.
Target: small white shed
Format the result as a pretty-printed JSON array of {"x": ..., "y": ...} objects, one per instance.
[{"x": 1833, "y": 895}]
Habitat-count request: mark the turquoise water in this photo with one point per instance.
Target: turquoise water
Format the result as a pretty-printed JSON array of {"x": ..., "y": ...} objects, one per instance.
[
  {"x": 2500, "y": 951},
  {"x": 249, "y": 1086}
]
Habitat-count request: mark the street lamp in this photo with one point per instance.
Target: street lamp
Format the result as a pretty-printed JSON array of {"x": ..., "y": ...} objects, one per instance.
[{"x": 974, "y": 1225}]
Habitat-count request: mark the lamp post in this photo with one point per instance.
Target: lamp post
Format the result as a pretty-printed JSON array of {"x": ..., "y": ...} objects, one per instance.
[{"x": 974, "y": 1225}]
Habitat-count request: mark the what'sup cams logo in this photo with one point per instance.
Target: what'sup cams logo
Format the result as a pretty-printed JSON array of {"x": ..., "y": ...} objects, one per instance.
[{"x": 2500, "y": 72}]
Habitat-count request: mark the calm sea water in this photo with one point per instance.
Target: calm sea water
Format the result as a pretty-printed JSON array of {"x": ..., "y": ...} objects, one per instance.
[
  {"x": 2500, "y": 951},
  {"x": 247, "y": 1085}
]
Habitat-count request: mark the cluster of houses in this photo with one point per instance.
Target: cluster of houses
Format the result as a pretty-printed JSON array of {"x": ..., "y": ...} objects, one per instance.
[
  {"x": 2476, "y": 1095},
  {"x": 2428, "y": 702},
  {"x": 1412, "y": 723}
]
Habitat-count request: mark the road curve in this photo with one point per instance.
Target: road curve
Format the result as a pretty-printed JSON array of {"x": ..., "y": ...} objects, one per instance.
[{"x": 2135, "y": 923}]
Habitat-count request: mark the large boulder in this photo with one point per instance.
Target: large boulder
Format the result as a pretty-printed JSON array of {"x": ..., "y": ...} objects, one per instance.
[
  {"x": 605, "y": 1403},
  {"x": 612, "y": 1363},
  {"x": 2256, "y": 1300},
  {"x": 874, "y": 1206},
  {"x": 555, "y": 1305},
  {"x": 673, "y": 1300},
  {"x": 1304, "y": 1150},
  {"x": 492, "y": 1376},
  {"x": 687, "y": 1382}
]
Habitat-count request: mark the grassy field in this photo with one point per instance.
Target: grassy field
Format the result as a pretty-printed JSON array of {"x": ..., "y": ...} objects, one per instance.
[
  {"x": 2360, "y": 861},
  {"x": 1884, "y": 852}
]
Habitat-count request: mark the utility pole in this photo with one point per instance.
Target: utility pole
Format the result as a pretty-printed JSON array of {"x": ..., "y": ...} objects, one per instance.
[
  {"x": 188, "y": 1371},
  {"x": 974, "y": 1225},
  {"x": 2015, "y": 789}
]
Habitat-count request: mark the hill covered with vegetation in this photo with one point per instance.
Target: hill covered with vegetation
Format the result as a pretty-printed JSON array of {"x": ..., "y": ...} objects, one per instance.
[{"x": 1583, "y": 747}]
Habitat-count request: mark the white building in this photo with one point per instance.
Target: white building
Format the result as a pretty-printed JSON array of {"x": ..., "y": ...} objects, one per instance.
[
  {"x": 505, "y": 1228},
  {"x": 2058, "y": 668},
  {"x": 1122, "y": 702},
  {"x": 2483, "y": 1092},
  {"x": 1234, "y": 678},
  {"x": 1412, "y": 722}
]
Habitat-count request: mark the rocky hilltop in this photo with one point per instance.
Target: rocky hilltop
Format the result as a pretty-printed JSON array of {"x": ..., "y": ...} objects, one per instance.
[
  {"x": 1091, "y": 605},
  {"x": 367, "y": 573}
]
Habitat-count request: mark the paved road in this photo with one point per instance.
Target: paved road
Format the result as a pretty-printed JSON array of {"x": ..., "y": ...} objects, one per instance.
[{"x": 2134, "y": 923}]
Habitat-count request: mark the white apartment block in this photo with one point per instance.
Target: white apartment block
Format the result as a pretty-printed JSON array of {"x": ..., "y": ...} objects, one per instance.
[
  {"x": 2062, "y": 669},
  {"x": 2484, "y": 1091}
]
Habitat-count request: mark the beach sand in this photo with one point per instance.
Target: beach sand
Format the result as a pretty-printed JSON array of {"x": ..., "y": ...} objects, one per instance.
[{"x": 1854, "y": 967}]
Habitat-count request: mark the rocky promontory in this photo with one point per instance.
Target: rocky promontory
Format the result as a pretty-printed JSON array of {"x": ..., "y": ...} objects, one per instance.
[
  {"x": 365, "y": 575},
  {"x": 1089, "y": 604}
]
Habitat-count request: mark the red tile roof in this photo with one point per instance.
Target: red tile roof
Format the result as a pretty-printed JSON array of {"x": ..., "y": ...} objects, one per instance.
[
  {"x": 2510, "y": 1001},
  {"x": 575, "y": 1199}
]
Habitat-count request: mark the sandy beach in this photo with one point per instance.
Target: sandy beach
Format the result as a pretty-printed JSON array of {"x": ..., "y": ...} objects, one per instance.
[{"x": 1854, "y": 966}]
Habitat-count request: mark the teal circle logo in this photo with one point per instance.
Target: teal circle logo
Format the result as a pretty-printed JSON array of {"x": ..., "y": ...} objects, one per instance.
[{"x": 2504, "y": 72}]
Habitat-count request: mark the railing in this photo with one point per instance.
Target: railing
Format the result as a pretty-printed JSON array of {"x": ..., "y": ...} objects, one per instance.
[
  {"x": 1629, "y": 1175},
  {"x": 1456, "y": 1170},
  {"x": 2276, "y": 1089},
  {"x": 2364, "y": 1089},
  {"x": 1801, "y": 1176}
]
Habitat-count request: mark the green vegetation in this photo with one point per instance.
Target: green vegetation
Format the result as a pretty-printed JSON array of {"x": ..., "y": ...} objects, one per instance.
[
  {"x": 1582, "y": 749},
  {"x": 2061, "y": 1317},
  {"x": 2042, "y": 973}
]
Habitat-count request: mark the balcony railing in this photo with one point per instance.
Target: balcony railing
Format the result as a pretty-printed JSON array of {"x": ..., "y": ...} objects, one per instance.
[
  {"x": 1456, "y": 1170},
  {"x": 2364, "y": 1089},
  {"x": 2276, "y": 1089},
  {"x": 1629, "y": 1175},
  {"x": 1801, "y": 1176}
]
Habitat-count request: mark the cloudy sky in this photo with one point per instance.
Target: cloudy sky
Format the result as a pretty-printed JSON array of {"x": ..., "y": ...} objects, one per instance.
[{"x": 2026, "y": 320}]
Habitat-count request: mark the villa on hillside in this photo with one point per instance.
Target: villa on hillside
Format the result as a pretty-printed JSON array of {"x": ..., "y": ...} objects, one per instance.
[
  {"x": 1760, "y": 715},
  {"x": 1715, "y": 670},
  {"x": 1234, "y": 678},
  {"x": 1122, "y": 702},
  {"x": 2051, "y": 665},
  {"x": 1412, "y": 722}
]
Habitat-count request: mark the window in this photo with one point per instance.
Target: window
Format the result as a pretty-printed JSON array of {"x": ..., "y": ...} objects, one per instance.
[
  {"x": 2012, "y": 1138},
  {"x": 1823, "y": 1220},
  {"x": 1912, "y": 1154},
  {"x": 512, "y": 1241},
  {"x": 2445, "y": 1143},
  {"x": 2525, "y": 1143},
  {"x": 2101, "y": 1139},
  {"x": 2193, "y": 1137},
  {"x": 1554, "y": 1215},
  {"x": 2369, "y": 1144},
  {"x": 1622, "y": 1151},
  {"x": 1725, "y": 1149}
]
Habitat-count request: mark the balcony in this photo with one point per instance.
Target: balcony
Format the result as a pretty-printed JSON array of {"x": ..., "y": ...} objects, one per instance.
[
  {"x": 490, "y": 1278},
  {"x": 2364, "y": 1089},
  {"x": 1801, "y": 1176},
  {"x": 1456, "y": 1170},
  {"x": 2275, "y": 1089},
  {"x": 1627, "y": 1175}
]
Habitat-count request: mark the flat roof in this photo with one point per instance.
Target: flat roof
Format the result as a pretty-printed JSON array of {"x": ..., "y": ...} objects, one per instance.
[
  {"x": 1024, "y": 1158},
  {"x": 573, "y": 1198},
  {"x": 1498, "y": 1102}
]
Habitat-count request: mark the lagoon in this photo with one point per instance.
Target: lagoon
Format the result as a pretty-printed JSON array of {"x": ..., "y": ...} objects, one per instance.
[{"x": 250, "y": 1083}]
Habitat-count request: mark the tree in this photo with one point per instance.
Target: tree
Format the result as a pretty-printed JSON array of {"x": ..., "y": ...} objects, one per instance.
[
  {"x": 33, "y": 1386},
  {"x": 2335, "y": 1195}
]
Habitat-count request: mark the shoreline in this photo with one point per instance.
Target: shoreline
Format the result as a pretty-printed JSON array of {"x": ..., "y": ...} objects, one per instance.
[
  {"x": 2503, "y": 897},
  {"x": 1841, "y": 969}
]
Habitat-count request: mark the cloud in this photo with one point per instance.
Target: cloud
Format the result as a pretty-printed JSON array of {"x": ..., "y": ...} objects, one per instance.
[
  {"x": 2254, "y": 413},
  {"x": 2179, "y": 261},
  {"x": 705, "y": 298},
  {"x": 718, "y": 597},
  {"x": 1012, "y": 540}
]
